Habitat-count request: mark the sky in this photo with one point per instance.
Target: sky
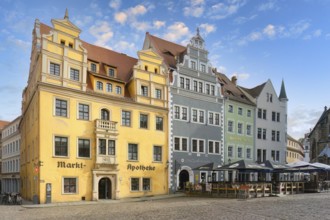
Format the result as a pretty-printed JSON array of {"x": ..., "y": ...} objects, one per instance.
[{"x": 255, "y": 40}]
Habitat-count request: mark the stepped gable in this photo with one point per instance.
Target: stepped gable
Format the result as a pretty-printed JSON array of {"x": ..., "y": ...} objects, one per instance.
[
  {"x": 168, "y": 50},
  {"x": 231, "y": 91}
]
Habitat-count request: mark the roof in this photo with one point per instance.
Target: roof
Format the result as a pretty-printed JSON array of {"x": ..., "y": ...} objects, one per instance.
[
  {"x": 255, "y": 92},
  {"x": 168, "y": 50},
  {"x": 3, "y": 124},
  {"x": 283, "y": 92},
  {"x": 244, "y": 165},
  {"x": 325, "y": 151},
  {"x": 325, "y": 114},
  {"x": 231, "y": 91},
  {"x": 123, "y": 63}
]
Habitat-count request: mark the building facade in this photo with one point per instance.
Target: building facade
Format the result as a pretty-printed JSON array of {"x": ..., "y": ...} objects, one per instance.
[
  {"x": 270, "y": 122},
  {"x": 196, "y": 111},
  {"x": 94, "y": 121},
  {"x": 307, "y": 147},
  {"x": 239, "y": 126},
  {"x": 319, "y": 138},
  {"x": 295, "y": 150},
  {"x": 2, "y": 125},
  {"x": 11, "y": 144}
]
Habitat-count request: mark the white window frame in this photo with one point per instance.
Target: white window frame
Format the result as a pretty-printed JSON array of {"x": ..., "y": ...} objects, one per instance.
[
  {"x": 214, "y": 142},
  {"x": 180, "y": 144},
  {"x": 242, "y": 154},
  {"x": 181, "y": 107},
  {"x": 198, "y": 148},
  {"x": 90, "y": 149},
  {"x": 77, "y": 185},
  {"x": 67, "y": 107}
]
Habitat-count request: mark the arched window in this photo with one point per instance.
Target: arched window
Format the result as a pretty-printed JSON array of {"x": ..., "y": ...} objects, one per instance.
[{"x": 105, "y": 115}]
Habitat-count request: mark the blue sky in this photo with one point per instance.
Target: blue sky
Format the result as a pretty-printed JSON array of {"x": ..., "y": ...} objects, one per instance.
[{"x": 255, "y": 40}]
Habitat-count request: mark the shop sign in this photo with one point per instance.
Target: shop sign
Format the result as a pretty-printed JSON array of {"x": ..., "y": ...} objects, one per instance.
[
  {"x": 140, "y": 167},
  {"x": 62, "y": 164}
]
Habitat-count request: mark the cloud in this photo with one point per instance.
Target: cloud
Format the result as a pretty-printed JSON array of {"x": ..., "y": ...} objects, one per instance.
[
  {"x": 269, "y": 30},
  {"x": 176, "y": 31},
  {"x": 315, "y": 34},
  {"x": 126, "y": 46},
  {"x": 137, "y": 10},
  {"x": 102, "y": 32},
  {"x": 194, "y": 9},
  {"x": 130, "y": 14},
  {"x": 96, "y": 9},
  {"x": 83, "y": 21},
  {"x": 270, "y": 5},
  {"x": 141, "y": 26},
  {"x": 243, "y": 20},
  {"x": 208, "y": 28},
  {"x": 158, "y": 24},
  {"x": 121, "y": 17},
  {"x": 24, "y": 45},
  {"x": 225, "y": 9},
  {"x": 301, "y": 120},
  {"x": 115, "y": 4}
]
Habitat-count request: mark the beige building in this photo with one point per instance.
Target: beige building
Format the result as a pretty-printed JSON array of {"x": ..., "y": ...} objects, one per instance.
[
  {"x": 2, "y": 125},
  {"x": 295, "y": 150}
]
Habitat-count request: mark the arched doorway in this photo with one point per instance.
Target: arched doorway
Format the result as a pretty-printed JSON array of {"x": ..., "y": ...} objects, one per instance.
[
  {"x": 105, "y": 188},
  {"x": 183, "y": 178}
]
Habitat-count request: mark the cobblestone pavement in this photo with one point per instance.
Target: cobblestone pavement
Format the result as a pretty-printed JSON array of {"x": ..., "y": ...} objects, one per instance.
[{"x": 300, "y": 206}]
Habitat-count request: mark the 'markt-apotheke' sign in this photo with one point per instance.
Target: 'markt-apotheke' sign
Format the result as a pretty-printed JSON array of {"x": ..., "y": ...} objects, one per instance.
[{"x": 140, "y": 167}]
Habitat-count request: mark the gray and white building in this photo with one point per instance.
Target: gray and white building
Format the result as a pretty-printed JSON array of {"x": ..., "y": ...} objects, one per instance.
[{"x": 196, "y": 111}]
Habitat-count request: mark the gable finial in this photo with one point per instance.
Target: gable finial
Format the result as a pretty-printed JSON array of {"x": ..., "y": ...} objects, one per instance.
[
  {"x": 197, "y": 31},
  {"x": 66, "y": 16}
]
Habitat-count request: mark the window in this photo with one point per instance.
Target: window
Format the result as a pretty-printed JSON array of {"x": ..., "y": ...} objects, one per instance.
[
  {"x": 158, "y": 93},
  {"x": 207, "y": 89},
  {"x": 211, "y": 118},
  {"x": 214, "y": 147},
  {"x": 156, "y": 70},
  {"x": 259, "y": 133},
  {"x": 264, "y": 134},
  {"x": 61, "y": 146},
  {"x": 102, "y": 147},
  {"x": 194, "y": 115},
  {"x": 248, "y": 129},
  {"x": 259, "y": 113},
  {"x": 273, "y": 155},
  {"x": 83, "y": 112},
  {"x": 248, "y": 153},
  {"x": 248, "y": 113},
  {"x": 217, "y": 119},
  {"x": 193, "y": 65},
  {"x": 159, "y": 123},
  {"x": 146, "y": 184},
  {"x": 144, "y": 90},
  {"x": 63, "y": 42},
  {"x": 239, "y": 152},
  {"x": 188, "y": 84},
  {"x": 132, "y": 152},
  {"x": 135, "y": 183},
  {"x": 146, "y": 68},
  {"x": 180, "y": 144},
  {"x": 70, "y": 45},
  {"x": 212, "y": 90},
  {"x": 99, "y": 85},
  {"x": 54, "y": 69},
  {"x": 61, "y": 108},
  {"x": 111, "y": 72},
  {"x": 239, "y": 128},
  {"x": 264, "y": 114},
  {"x": 200, "y": 87},
  {"x": 126, "y": 118},
  {"x": 278, "y": 117},
  {"x": 74, "y": 74},
  {"x": 109, "y": 87},
  {"x": 182, "y": 82},
  {"x": 273, "y": 116},
  {"x": 273, "y": 135},
  {"x": 230, "y": 108},
  {"x": 93, "y": 67},
  {"x": 118, "y": 90},
  {"x": 198, "y": 146},
  {"x": 230, "y": 151},
  {"x": 203, "y": 68},
  {"x": 158, "y": 153},
  {"x": 83, "y": 148},
  {"x": 230, "y": 126},
  {"x": 184, "y": 115},
  {"x": 143, "y": 121},
  {"x": 277, "y": 136},
  {"x": 240, "y": 111},
  {"x": 70, "y": 185},
  {"x": 105, "y": 115},
  {"x": 195, "y": 86},
  {"x": 201, "y": 116},
  {"x": 111, "y": 147},
  {"x": 176, "y": 112}
]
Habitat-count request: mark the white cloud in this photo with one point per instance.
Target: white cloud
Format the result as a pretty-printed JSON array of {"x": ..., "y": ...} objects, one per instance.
[
  {"x": 254, "y": 36},
  {"x": 270, "y": 5},
  {"x": 115, "y": 4},
  {"x": 141, "y": 26},
  {"x": 24, "y": 45},
  {"x": 82, "y": 21},
  {"x": 121, "y": 17},
  {"x": 298, "y": 28},
  {"x": 194, "y": 9},
  {"x": 209, "y": 28},
  {"x": 137, "y": 10},
  {"x": 242, "y": 20},
  {"x": 102, "y": 32},
  {"x": 124, "y": 46},
  {"x": 176, "y": 31},
  {"x": 269, "y": 30},
  {"x": 317, "y": 33},
  {"x": 158, "y": 24},
  {"x": 225, "y": 9}
]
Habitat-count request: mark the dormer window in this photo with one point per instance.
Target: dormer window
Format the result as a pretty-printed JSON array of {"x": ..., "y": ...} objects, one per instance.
[
  {"x": 63, "y": 42},
  {"x": 71, "y": 45},
  {"x": 93, "y": 67},
  {"x": 111, "y": 72}
]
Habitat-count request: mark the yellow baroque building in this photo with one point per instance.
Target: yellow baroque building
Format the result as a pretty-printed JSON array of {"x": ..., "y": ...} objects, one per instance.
[{"x": 94, "y": 121}]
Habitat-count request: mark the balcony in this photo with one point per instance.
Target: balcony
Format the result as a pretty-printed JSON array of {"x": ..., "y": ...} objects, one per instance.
[
  {"x": 106, "y": 160},
  {"x": 106, "y": 127}
]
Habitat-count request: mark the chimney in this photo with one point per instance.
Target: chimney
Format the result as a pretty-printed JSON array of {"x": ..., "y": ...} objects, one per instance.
[{"x": 234, "y": 80}]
